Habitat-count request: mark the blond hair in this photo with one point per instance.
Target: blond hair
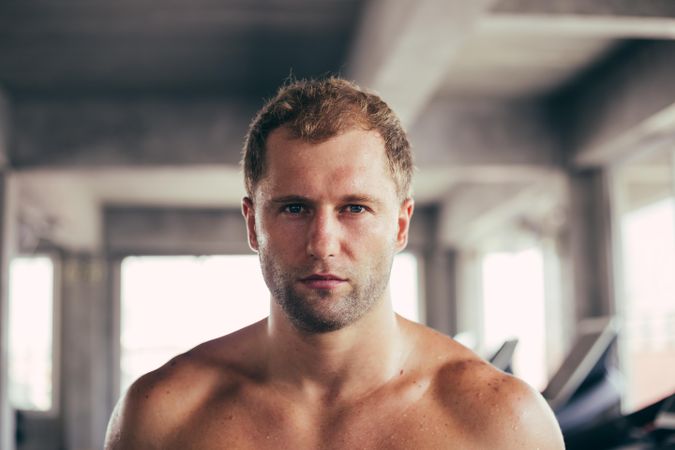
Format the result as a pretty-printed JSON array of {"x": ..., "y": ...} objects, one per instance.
[{"x": 316, "y": 110}]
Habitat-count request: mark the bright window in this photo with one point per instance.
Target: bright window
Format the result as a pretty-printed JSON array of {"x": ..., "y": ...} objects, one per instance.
[
  {"x": 645, "y": 211},
  {"x": 513, "y": 307},
  {"x": 169, "y": 304},
  {"x": 404, "y": 288},
  {"x": 31, "y": 286}
]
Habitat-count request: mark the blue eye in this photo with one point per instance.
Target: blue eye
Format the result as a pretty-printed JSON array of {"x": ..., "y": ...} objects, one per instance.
[
  {"x": 294, "y": 208},
  {"x": 356, "y": 209}
]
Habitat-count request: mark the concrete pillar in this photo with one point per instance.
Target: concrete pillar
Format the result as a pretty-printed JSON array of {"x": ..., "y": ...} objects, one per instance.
[
  {"x": 85, "y": 367},
  {"x": 6, "y": 422},
  {"x": 6, "y": 244},
  {"x": 440, "y": 290},
  {"x": 588, "y": 263},
  {"x": 469, "y": 296},
  {"x": 436, "y": 262}
]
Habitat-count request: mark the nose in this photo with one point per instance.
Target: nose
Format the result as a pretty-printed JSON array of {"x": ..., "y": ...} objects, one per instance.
[{"x": 323, "y": 239}]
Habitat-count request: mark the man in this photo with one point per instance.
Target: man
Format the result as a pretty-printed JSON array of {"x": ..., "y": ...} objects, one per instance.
[{"x": 328, "y": 171}]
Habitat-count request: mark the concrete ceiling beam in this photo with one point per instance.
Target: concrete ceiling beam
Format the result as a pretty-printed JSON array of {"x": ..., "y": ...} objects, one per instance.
[
  {"x": 623, "y": 107},
  {"x": 137, "y": 133},
  {"x": 621, "y": 8},
  {"x": 403, "y": 49},
  {"x": 487, "y": 133},
  {"x": 649, "y": 19},
  {"x": 63, "y": 134}
]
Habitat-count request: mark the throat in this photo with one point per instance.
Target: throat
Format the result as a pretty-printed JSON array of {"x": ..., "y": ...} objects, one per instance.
[{"x": 341, "y": 366}]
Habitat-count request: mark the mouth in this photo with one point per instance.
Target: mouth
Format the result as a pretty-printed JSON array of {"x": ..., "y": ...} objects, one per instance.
[{"x": 323, "y": 281}]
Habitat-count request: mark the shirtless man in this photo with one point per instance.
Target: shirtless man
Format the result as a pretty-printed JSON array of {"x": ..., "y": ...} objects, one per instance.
[{"x": 328, "y": 171}]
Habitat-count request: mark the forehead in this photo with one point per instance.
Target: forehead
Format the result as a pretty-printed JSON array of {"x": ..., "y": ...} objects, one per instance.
[{"x": 352, "y": 162}]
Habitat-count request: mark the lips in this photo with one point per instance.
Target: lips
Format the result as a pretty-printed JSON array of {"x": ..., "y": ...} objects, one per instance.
[{"x": 323, "y": 281}]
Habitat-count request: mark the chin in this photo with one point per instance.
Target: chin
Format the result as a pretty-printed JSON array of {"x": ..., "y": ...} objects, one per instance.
[
  {"x": 317, "y": 326},
  {"x": 325, "y": 311}
]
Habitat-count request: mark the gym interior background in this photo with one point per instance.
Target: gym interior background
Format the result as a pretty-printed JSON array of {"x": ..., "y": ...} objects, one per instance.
[{"x": 544, "y": 136}]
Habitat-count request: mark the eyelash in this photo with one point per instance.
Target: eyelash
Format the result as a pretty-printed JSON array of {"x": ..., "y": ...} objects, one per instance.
[
  {"x": 287, "y": 208},
  {"x": 348, "y": 208},
  {"x": 362, "y": 209}
]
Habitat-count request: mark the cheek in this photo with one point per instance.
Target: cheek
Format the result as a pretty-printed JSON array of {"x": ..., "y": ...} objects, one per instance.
[
  {"x": 373, "y": 233},
  {"x": 281, "y": 237}
]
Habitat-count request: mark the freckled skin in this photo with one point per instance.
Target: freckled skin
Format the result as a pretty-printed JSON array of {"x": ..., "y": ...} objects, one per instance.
[{"x": 331, "y": 367}]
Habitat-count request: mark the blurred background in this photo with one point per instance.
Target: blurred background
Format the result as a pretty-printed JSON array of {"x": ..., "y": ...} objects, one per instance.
[{"x": 544, "y": 137}]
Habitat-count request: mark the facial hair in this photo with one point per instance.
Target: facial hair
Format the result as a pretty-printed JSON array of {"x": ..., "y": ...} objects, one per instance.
[{"x": 322, "y": 310}]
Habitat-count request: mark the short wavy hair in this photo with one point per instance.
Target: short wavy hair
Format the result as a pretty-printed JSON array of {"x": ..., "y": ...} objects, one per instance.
[{"x": 318, "y": 109}]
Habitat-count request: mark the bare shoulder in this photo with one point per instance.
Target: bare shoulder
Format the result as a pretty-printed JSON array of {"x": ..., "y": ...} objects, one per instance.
[
  {"x": 150, "y": 408},
  {"x": 161, "y": 402},
  {"x": 501, "y": 410},
  {"x": 492, "y": 408}
]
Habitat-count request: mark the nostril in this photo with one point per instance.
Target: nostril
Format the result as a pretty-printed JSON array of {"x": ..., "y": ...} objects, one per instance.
[{"x": 322, "y": 247}]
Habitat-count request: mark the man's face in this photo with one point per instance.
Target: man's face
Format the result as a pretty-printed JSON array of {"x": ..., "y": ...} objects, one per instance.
[{"x": 326, "y": 222}]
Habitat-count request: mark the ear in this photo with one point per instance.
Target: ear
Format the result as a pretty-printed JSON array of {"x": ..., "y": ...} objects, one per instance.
[
  {"x": 249, "y": 217},
  {"x": 404, "y": 215}
]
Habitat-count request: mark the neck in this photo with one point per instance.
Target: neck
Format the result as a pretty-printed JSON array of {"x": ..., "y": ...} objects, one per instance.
[{"x": 345, "y": 363}]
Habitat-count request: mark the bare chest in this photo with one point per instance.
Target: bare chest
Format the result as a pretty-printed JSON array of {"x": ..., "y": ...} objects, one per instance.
[{"x": 378, "y": 424}]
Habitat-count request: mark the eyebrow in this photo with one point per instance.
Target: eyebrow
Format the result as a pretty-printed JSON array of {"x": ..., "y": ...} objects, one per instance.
[
  {"x": 360, "y": 198},
  {"x": 353, "y": 198},
  {"x": 291, "y": 199}
]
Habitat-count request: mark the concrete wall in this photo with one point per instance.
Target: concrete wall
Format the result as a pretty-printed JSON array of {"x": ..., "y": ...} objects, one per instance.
[{"x": 619, "y": 106}]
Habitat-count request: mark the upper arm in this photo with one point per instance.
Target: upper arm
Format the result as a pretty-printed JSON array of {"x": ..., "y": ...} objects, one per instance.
[{"x": 120, "y": 427}]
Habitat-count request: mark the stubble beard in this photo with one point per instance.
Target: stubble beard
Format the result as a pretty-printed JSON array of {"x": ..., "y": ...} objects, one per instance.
[{"x": 322, "y": 310}]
